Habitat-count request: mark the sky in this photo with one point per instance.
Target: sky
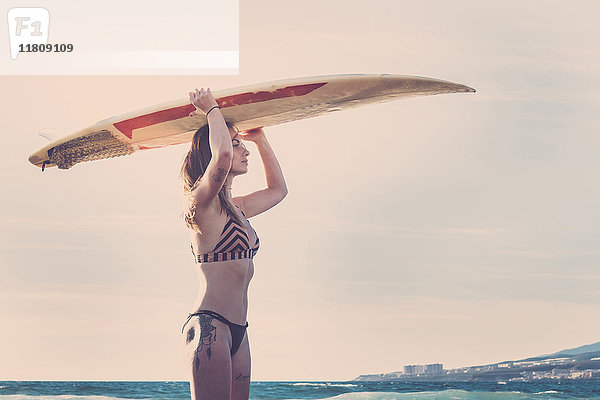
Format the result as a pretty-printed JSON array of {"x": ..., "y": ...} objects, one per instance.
[{"x": 458, "y": 229}]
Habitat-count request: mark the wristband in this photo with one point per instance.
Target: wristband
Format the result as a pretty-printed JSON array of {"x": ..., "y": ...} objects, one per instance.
[{"x": 212, "y": 109}]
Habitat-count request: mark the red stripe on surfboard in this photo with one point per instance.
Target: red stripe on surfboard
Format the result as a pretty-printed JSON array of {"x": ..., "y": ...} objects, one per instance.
[
  {"x": 257, "y": 97},
  {"x": 129, "y": 125}
]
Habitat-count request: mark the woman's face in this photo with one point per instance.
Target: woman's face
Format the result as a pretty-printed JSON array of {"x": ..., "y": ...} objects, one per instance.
[{"x": 239, "y": 161}]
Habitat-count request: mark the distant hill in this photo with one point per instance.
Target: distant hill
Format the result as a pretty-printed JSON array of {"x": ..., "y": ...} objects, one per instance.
[
  {"x": 588, "y": 348},
  {"x": 581, "y": 353},
  {"x": 578, "y": 363}
]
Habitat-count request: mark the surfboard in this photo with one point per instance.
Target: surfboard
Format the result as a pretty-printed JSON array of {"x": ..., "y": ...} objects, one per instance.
[{"x": 248, "y": 107}]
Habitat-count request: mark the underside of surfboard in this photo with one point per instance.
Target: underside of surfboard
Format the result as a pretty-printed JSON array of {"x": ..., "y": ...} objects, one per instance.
[{"x": 248, "y": 107}]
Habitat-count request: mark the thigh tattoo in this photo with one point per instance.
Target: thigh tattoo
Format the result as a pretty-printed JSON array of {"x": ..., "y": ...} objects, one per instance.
[
  {"x": 208, "y": 335},
  {"x": 191, "y": 334}
]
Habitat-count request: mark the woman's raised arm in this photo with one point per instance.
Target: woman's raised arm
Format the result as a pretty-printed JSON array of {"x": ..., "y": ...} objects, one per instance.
[
  {"x": 209, "y": 184},
  {"x": 262, "y": 200}
]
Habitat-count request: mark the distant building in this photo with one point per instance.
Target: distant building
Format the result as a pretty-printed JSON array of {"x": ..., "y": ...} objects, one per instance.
[
  {"x": 434, "y": 368},
  {"x": 414, "y": 369},
  {"x": 423, "y": 369}
]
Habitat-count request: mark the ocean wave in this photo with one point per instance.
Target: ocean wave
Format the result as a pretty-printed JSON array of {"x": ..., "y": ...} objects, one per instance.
[
  {"x": 58, "y": 397},
  {"x": 453, "y": 395},
  {"x": 306, "y": 384},
  {"x": 322, "y": 385},
  {"x": 336, "y": 390}
]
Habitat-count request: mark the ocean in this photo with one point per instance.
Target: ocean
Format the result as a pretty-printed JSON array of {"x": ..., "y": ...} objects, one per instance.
[{"x": 352, "y": 390}]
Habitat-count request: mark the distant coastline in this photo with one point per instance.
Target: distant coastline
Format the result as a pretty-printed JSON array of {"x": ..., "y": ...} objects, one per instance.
[{"x": 579, "y": 363}]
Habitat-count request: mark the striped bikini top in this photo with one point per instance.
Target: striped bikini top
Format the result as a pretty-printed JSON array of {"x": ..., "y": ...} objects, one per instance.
[{"x": 234, "y": 244}]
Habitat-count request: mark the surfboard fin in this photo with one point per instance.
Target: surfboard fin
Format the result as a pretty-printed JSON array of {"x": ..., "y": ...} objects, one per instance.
[{"x": 50, "y": 134}]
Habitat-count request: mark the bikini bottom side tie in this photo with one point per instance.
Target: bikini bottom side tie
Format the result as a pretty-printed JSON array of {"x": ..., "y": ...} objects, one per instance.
[{"x": 237, "y": 331}]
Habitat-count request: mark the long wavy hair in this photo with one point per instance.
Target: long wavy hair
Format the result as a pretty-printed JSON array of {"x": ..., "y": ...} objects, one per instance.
[{"x": 194, "y": 166}]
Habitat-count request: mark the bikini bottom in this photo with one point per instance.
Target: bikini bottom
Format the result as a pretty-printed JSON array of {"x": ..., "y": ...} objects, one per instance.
[{"x": 237, "y": 331}]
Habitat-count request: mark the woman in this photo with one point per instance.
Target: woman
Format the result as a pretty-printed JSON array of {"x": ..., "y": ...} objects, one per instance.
[{"x": 223, "y": 245}]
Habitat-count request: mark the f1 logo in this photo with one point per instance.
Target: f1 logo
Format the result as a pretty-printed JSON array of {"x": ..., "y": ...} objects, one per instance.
[{"x": 27, "y": 26}]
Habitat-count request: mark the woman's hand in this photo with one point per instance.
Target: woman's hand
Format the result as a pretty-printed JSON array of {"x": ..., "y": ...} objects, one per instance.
[
  {"x": 203, "y": 100},
  {"x": 253, "y": 135}
]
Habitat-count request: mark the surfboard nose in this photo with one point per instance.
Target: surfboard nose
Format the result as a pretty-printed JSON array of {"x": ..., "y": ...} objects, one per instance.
[
  {"x": 422, "y": 85},
  {"x": 467, "y": 89}
]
